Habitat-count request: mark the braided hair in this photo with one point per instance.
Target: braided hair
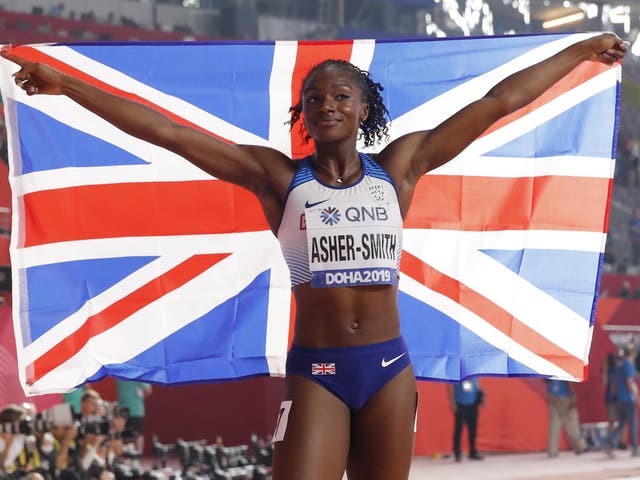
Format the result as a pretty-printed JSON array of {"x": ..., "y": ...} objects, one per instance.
[{"x": 374, "y": 127}]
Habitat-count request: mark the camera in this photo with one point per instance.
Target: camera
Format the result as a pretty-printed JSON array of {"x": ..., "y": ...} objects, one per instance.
[
  {"x": 94, "y": 424},
  {"x": 58, "y": 415},
  {"x": 22, "y": 426},
  {"x": 101, "y": 424}
]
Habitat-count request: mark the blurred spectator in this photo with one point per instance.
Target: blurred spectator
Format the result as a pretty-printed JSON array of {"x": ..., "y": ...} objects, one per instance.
[
  {"x": 610, "y": 257},
  {"x": 18, "y": 450},
  {"x": 90, "y": 403},
  {"x": 608, "y": 380},
  {"x": 627, "y": 396},
  {"x": 465, "y": 397},
  {"x": 625, "y": 290},
  {"x": 56, "y": 10},
  {"x": 66, "y": 452},
  {"x": 3, "y": 138},
  {"x": 34, "y": 476},
  {"x": 92, "y": 454},
  {"x": 43, "y": 28},
  {"x": 132, "y": 395},
  {"x": 88, "y": 16},
  {"x": 633, "y": 148},
  {"x": 563, "y": 411},
  {"x": 627, "y": 164},
  {"x": 634, "y": 237},
  {"x": 74, "y": 398}
]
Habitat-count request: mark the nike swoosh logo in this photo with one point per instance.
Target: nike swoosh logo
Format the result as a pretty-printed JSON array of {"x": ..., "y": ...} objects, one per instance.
[
  {"x": 309, "y": 205},
  {"x": 386, "y": 363}
]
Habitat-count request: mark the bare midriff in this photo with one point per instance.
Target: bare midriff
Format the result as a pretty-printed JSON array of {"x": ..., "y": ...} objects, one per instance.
[{"x": 345, "y": 316}]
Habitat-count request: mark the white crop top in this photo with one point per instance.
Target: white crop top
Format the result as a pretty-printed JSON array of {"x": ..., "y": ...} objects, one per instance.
[{"x": 342, "y": 236}]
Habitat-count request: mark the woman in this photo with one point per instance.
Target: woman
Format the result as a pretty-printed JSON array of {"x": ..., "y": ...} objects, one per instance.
[{"x": 350, "y": 389}]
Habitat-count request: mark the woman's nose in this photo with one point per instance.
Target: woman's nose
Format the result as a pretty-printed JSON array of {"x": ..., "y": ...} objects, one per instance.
[{"x": 328, "y": 104}]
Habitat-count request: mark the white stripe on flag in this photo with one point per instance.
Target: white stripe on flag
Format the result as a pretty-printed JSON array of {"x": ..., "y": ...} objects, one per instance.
[
  {"x": 480, "y": 327},
  {"x": 171, "y": 103},
  {"x": 533, "y": 307},
  {"x": 154, "y": 322},
  {"x": 432, "y": 113},
  {"x": 544, "y": 113},
  {"x": 280, "y": 95},
  {"x": 362, "y": 53},
  {"x": 245, "y": 247},
  {"x": 518, "y": 167}
]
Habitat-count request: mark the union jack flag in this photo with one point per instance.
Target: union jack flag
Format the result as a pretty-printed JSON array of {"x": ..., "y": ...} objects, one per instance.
[
  {"x": 129, "y": 261},
  {"x": 323, "y": 369}
]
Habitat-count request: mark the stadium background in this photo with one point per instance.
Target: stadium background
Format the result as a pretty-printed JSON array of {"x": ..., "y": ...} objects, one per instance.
[{"x": 515, "y": 416}]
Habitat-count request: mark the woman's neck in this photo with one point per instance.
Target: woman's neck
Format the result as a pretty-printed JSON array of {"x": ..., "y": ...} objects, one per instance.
[{"x": 338, "y": 167}]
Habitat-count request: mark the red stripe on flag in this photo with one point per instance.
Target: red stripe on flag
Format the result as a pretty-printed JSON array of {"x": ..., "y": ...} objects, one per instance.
[
  {"x": 583, "y": 72},
  {"x": 119, "y": 311},
  {"x": 213, "y": 206},
  {"x": 140, "y": 209},
  {"x": 31, "y": 54},
  {"x": 490, "y": 313},
  {"x": 308, "y": 55},
  {"x": 491, "y": 203}
]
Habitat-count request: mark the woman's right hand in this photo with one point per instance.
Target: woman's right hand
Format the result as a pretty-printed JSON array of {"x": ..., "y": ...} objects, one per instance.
[{"x": 35, "y": 78}]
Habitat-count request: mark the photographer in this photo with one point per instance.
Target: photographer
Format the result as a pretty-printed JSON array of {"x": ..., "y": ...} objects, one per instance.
[
  {"x": 65, "y": 447},
  {"x": 117, "y": 424},
  {"x": 93, "y": 436},
  {"x": 123, "y": 459},
  {"x": 18, "y": 446},
  {"x": 100, "y": 437}
]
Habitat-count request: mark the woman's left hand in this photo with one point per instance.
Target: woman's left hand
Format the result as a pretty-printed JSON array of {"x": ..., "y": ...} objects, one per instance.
[{"x": 608, "y": 48}]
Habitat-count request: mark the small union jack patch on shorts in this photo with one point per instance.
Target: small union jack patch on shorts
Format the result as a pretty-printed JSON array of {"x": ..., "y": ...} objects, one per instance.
[{"x": 323, "y": 369}]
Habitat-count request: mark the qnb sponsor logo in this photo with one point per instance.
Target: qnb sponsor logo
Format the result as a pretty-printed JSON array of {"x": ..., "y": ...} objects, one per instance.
[
  {"x": 330, "y": 215},
  {"x": 366, "y": 214}
]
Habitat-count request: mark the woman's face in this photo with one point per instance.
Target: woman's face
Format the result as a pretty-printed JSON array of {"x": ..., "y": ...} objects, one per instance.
[{"x": 333, "y": 106}]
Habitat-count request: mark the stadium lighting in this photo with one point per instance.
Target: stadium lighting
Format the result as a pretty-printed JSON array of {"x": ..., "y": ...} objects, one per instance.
[
  {"x": 635, "y": 48},
  {"x": 556, "y": 22},
  {"x": 619, "y": 15}
]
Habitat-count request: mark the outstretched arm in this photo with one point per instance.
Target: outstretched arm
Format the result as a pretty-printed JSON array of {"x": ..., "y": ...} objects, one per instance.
[
  {"x": 242, "y": 165},
  {"x": 411, "y": 156}
]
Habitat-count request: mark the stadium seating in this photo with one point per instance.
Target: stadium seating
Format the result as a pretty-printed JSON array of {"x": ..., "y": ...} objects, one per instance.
[{"x": 22, "y": 28}]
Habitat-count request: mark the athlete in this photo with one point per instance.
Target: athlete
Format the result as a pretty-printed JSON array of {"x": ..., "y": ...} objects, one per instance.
[{"x": 350, "y": 389}]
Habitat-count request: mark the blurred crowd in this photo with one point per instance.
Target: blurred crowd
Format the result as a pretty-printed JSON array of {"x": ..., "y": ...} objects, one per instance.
[
  {"x": 88, "y": 438},
  {"x": 63, "y": 443}
]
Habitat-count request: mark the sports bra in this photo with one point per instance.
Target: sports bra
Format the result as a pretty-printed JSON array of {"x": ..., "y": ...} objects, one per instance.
[{"x": 334, "y": 236}]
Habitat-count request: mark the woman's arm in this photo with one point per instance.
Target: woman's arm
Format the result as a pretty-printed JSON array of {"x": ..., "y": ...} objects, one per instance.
[
  {"x": 411, "y": 156},
  {"x": 242, "y": 165}
]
